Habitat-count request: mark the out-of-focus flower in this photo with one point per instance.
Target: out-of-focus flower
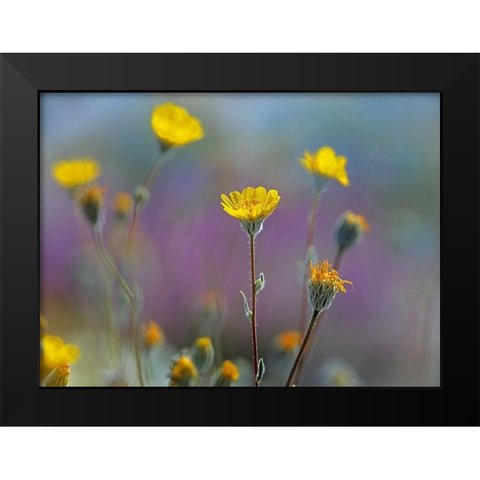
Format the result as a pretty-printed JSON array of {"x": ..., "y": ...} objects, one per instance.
[
  {"x": 325, "y": 165},
  {"x": 226, "y": 375},
  {"x": 152, "y": 334},
  {"x": 323, "y": 285},
  {"x": 122, "y": 205},
  {"x": 252, "y": 206},
  {"x": 211, "y": 302},
  {"x": 288, "y": 341},
  {"x": 91, "y": 200},
  {"x": 203, "y": 353},
  {"x": 72, "y": 173},
  {"x": 174, "y": 126},
  {"x": 57, "y": 355},
  {"x": 337, "y": 373},
  {"x": 350, "y": 228},
  {"x": 183, "y": 372}
]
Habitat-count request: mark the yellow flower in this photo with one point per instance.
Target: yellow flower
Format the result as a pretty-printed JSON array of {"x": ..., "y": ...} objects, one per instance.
[
  {"x": 174, "y": 126},
  {"x": 325, "y": 163},
  {"x": 122, "y": 204},
  {"x": 57, "y": 353},
  {"x": 350, "y": 228},
  {"x": 74, "y": 172},
  {"x": 288, "y": 341},
  {"x": 324, "y": 284},
  {"x": 152, "y": 334},
  {"x": 91, "y": 200},
  {"x": 183, "y": 372},
  {"x": 227, "y": 374},
  {"x": 203, "y": 353},
  {"x": 251, "y": 207}
]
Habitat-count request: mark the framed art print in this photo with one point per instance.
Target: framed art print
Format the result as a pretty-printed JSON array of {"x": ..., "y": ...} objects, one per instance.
[{"x": 239, "y": 239}]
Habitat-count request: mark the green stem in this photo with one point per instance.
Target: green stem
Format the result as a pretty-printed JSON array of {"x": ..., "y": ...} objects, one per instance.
[
  {"x": 310, "y": 237},
  {"x": 304, "y": 361},
  {"x": 110, "y": 264},
  {"x": 254, "y": 320},
  {"x": 306, "y": 338}
]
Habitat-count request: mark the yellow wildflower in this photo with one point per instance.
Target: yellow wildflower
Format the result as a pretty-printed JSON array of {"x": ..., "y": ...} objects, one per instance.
[
  {"x": 122, "y": 204},
  {"x": 288, "y": 341},
  {"x": 75, "y": 172},
  {"x": 252, "y": 206},
  {"x": 227, "y": 374},
  {"x": 326, "y": 164},
  {"x": 152, "y": 334},
  {"x": 183, "y": 372},
  {"x": 57, "y": 353},
  {"x": 324, "y": 284},
  {"x": 174, "y": 126},
  {"x": 203, "y": 353},
  {"x": 59, "y": 377}
]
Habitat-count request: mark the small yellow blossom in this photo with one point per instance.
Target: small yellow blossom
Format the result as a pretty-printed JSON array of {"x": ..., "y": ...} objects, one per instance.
[
  {"x": 357, "y": 219},
  {"x": 183, "y": 372},
  {"x": 152, "y": 334},
  {"x": 174, "y": 126},
  {"x": 252, "y": 206},
  {"x": 288, "y": 341},
  {"x": 203, "y": 353},
  {"x": 75, "y": 172},
  {"x": 122, "y": 204},
  {"x": 227, "y": 374},
  {"x": 324, "y": 284},
  {"x": 91, "y": 200},
  {"x": 325, "y": 163},
  {"x": 57, "y": 353}
]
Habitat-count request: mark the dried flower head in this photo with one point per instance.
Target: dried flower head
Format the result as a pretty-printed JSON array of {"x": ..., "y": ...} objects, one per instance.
[
  {"x": 252, "y": 206},
  {"x": 325, "y": 165},
  {"x": 174, "y": 126},
  {"x": 75, "y": 172},
  {"x": 323, "y": 285}
]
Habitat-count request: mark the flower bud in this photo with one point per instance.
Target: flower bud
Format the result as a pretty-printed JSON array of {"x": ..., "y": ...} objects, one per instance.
[
  {"x": 91, "y": 200},
  {"x": 123, "y": 205},
  {"x": 152, "y": 334},
  {"x": 141, "y": 195},
  {"x": 203, "y": 354},
  {"x": 350, "y": 228}
]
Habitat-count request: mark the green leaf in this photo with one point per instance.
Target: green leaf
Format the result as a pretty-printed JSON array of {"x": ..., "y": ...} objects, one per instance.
[
  {"x": 246, "y": 308},
  {"x": 261, "y": 370}
]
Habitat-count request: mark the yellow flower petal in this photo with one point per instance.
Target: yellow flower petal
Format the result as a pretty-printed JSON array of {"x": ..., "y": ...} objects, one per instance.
[
  {"x": 74, "y": 172},
  {"x": 327, "y": 164}
]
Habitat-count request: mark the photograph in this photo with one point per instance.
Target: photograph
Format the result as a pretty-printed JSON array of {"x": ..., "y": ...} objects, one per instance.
[{"x": 239, "y": 239}]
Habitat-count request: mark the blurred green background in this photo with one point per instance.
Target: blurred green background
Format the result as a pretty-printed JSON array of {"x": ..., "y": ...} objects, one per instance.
[{"x": 385, "y": 330}]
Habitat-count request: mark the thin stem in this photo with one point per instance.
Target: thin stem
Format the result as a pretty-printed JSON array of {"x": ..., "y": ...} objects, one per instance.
[
  {"x": 109, "y": 263},
  {"x": 304, "y": 361},
  {"x": 310, "y": 236},
  {"x": 253, "y": 319},
  {"x": 306, "y": 338},
  {"x": 157, "y": 165}
]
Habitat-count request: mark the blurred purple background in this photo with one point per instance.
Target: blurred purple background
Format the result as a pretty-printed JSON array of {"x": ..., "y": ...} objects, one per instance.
[{"x": 386, "y": 327}]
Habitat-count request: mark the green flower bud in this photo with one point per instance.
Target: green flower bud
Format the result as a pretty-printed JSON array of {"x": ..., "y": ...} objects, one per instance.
[{"x": 203, "y": 354}]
